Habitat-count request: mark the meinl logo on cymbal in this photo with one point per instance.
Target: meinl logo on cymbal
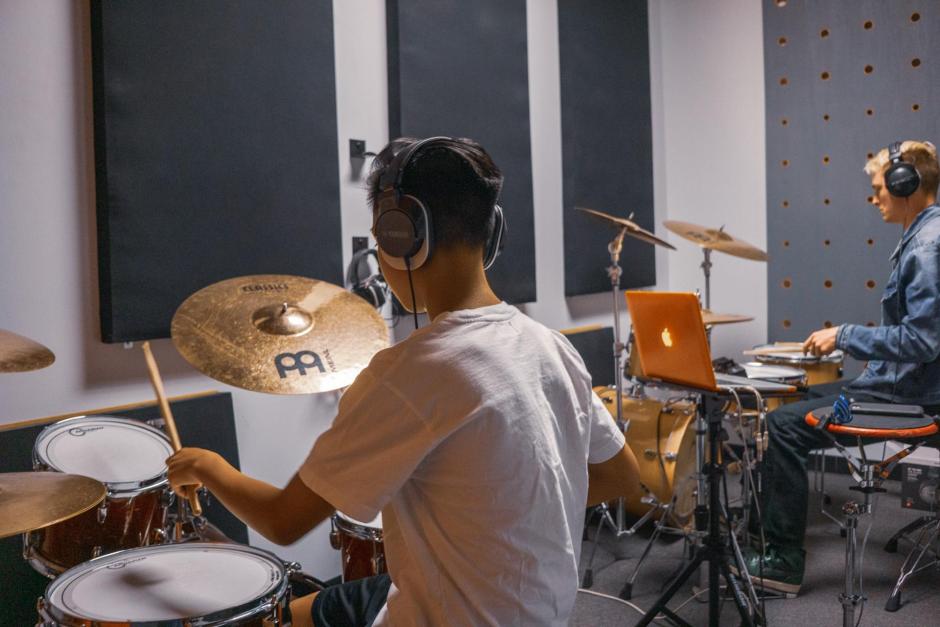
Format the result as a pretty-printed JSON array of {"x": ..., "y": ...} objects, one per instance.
[{"x": 265, "y": 287}]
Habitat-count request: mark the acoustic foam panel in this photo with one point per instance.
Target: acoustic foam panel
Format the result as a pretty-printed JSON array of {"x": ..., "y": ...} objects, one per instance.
[
  {"x": 215, "y": 150},
  {"x": 606, "y": 138},
  {"x": 843, "y": 80},
  {"x": 460, "y": 69},
  {"x": 206, "y": 421}
]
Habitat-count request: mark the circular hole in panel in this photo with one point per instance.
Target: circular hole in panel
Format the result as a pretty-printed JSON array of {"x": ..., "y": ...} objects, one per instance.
[
  {"x": 826, "y": 242},
  {"x": 824, "y": 76},
  {"x": 827, "y": 284},
  {"x": 781, "y": 3},
  {"x": 869, "y": 112},
  {"x": 827, "y": 324},
  {"x": 869, "y": 69},
  {"x": 824, "y": 33},
  {"x": 826, "y": 201},
  {"x": 915, "y": 62},
  {"x": 785, "y": 204},
  {"x": 785, "y": 163},
  {"x": 786, "y": 243},
  {"x": 868, "y": 25},
  {"x": 870, "y": 155},
  {"x": 870, "y": 284},
  {"x": 784, "y": 121},
  {"x": 871, "y": 242},
  {"x": 787, "y": 283},
  {"x": 870, "y": 199},
  {"x": 782, "y": 41},
  {"x": 869, "y": 324},
  {"x": 825, "y": 159},
  {"x": 826, "y": 117},
  {"x": 786, "y": 324},
  {"x": 784, "y": 80},
  {"x": 915, "y": 17},
  {"x": 915, "y": 107}
]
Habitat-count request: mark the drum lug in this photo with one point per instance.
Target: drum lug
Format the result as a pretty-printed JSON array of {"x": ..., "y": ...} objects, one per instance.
[
  {"x": 378, "y": 564},
  {"x": 96, "y": 551},
  {"x": 102, "y": 512},
  {"x": 649, "y": 453},
  {"x": 670, "y": 456},
  {"x": 160, "y": 535},
  {"x": 292, "y": 567},
  {"x": 335, "y": 541}
]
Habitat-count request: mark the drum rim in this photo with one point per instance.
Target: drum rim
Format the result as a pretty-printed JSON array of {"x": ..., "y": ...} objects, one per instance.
[
  {"x": 356, "y": 528},
  {"x": 835, "y": 357},
  {"x": 797, "y": 376},
  {"x": 116, "y": 489},
  {"x": 256, "y": 606}
]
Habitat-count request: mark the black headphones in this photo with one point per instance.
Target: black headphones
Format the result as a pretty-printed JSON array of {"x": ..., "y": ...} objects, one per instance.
[
  {"x": 363, "y": 281},
  {"x": 402, "y": 226},
  {"x": 901, "y": 178}
]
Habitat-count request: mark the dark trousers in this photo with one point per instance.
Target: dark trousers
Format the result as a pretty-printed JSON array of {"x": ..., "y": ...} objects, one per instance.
[{"x": 785, "y": 481}]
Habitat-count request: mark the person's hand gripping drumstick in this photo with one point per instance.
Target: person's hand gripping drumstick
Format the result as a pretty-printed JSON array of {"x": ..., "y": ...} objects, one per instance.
[
  {"x": 821, "y": 342},
  {"x": 168, "y": 418}
]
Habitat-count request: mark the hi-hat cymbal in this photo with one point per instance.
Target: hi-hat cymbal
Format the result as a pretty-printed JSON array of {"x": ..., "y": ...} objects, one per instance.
[
  {"x": 33, "y": 500},
  {"x": 710, "y": 318},
  {"x": 632, "y": 228},
  {"x": 715, "y": 239},
  {"x": 279, "y": 334},
  {"x": 21, "y": 354}
]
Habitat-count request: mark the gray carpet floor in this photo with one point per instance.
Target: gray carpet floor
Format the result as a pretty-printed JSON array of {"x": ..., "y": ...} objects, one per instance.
[{"x": 818, "y": 601}]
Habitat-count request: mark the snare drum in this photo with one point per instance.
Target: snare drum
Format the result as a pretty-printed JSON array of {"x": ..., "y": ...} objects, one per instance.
[
  {"x": 360, "y": 545},
  {"x": 129, "y": 457},
  {"x": 824, "y": 369},
  {"x": 171, "y": 584}
]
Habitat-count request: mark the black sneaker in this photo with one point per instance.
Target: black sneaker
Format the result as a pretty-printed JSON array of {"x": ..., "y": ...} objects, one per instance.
[{"x": 782, "y": 568}]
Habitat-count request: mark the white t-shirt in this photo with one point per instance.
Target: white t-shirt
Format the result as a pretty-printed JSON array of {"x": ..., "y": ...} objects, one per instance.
[{"x": 472, "y": 437}]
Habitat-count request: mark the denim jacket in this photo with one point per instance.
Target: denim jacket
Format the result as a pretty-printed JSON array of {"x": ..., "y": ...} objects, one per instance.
[{"x": 904, "y": 352}]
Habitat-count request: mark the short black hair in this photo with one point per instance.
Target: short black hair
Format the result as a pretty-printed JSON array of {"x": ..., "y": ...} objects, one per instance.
[{"x": 457, "y": 181}]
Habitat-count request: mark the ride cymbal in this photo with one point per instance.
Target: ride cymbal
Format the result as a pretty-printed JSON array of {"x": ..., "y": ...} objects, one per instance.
[
  {"x": 33, "y": 500},
  {"x": 715, "y": 239},
  {"x": 279, "y": 334},
  {"x": 632, "y": 228},
  {"x": 710, "y": 318},
  {"x": 21, "y": 354}
]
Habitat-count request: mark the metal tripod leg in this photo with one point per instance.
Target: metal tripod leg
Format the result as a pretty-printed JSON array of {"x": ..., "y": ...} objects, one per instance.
[
  {"x": 606, "y": 517},
  {"x": 849, "y": 598},
  {"x": 626, "y": 593},
  {"x": 925, "y": 539}
]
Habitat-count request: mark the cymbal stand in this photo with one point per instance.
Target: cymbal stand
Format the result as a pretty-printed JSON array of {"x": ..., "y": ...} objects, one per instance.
[
  {"x": 706, "y": 267},
  {"x": 614, "y": 271}
]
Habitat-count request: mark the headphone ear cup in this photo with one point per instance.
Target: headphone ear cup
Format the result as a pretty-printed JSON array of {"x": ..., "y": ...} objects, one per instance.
[
  {"x": 496, "y": 240},
  {"x": 902, "y": 179}
]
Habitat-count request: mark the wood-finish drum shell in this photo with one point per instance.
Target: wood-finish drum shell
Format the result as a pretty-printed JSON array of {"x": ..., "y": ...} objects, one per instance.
[{"x": 360, "y": 545}]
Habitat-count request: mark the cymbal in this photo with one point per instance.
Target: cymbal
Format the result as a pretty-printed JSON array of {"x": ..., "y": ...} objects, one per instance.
[
  {"x": 711, "y": 318},
  {"x": 633, "y": 229},
  {"x": 21, "y": 354},
  {"x": 33, "y": 500},
  {"x": 279, "y": 334},
  {"x": 715, "y": 239}
]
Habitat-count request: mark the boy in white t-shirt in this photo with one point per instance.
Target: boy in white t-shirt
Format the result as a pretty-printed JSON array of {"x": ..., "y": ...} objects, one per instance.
[{"x": 475, "y": 437}]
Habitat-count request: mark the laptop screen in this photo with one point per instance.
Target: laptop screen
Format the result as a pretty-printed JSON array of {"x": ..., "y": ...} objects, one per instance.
[{"x": 670, "y": 338}]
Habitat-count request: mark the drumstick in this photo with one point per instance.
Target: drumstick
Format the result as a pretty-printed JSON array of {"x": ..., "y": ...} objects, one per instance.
[
  {"x": 167, "y": 416},
  {"x": 788, "y": 347}
]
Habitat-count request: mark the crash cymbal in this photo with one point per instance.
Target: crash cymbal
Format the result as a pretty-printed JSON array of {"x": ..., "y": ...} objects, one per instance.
[
  {"x": 21, "y": 354},
  {"x": 633, "y": 229},
  {"x": 715, "y": 239},
  {"x": 33, "y": 500},
  {"x": 279, "y": 334},
  {"x": 711, "y": 318}
]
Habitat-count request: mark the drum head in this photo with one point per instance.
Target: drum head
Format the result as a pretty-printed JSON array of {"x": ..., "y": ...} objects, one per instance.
[
  {"x": 114, "y": 451},
  {"x": 167, "y": 583},
  {"x": 772, "y": 372},
  {"x": 796, "y": 359},
  {"x": 375, "y": 523}
]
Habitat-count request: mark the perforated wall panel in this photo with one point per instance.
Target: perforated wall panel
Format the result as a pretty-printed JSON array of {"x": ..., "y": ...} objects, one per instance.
[{"x": 843, "y": 80}]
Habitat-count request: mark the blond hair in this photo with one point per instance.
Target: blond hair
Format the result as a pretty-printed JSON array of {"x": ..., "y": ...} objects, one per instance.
[{"x": 923, "y": 155}]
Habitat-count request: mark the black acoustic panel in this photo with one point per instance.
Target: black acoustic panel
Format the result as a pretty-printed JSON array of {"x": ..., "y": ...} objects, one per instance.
[
  {"x": 215, "y": 150},
  {"x": 206, "y": 422},
  {"x": 606, "y": 138},
  {"x": 596, "y": 347},
  {"x": 461, "y": 69}
]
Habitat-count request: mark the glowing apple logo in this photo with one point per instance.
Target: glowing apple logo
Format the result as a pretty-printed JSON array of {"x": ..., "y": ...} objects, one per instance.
[{"x": 667, "y": 338}]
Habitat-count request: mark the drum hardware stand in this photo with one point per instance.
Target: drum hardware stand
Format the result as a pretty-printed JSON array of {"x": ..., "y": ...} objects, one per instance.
[
  {"x": 929, "y": 530},
  {"x": 707, "y": 522}
]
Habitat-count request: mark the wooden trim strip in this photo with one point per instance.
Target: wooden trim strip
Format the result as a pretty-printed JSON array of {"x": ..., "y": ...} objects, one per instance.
[
  {"x": 584, "y": 329},
  {"x": 102, "y": 410}
]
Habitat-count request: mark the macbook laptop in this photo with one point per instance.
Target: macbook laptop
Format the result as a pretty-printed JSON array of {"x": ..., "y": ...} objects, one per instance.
[{"x": 670, "y": 339}]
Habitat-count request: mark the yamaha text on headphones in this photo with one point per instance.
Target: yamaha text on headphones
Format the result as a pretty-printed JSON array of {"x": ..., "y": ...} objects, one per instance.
[
  {"x": 901, "y": 178},
  {"x": 402, "y": 225}
]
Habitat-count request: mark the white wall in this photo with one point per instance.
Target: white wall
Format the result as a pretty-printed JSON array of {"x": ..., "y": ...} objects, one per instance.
[{"x": 707, "y": 125}]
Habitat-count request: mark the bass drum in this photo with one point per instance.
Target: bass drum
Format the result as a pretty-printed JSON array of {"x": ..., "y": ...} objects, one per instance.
[{"x": 662, "y": 437}]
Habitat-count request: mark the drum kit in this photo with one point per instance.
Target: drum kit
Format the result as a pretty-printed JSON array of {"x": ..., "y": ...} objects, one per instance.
[
  {"x": 97, "y": 515},
  {"x": 661, "y": 423}
]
